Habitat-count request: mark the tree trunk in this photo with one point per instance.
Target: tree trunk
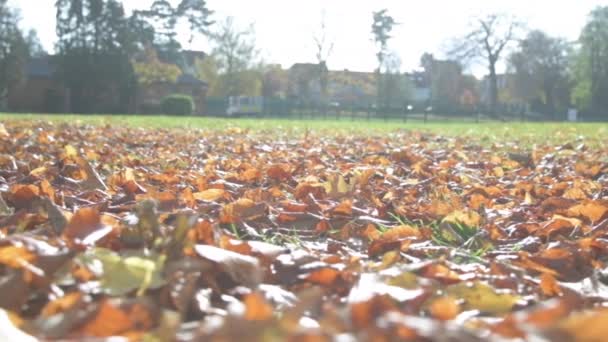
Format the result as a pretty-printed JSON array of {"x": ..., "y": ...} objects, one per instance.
[
  {"x": 550, "y": 101},
  {"x": 493, "y": 89}
]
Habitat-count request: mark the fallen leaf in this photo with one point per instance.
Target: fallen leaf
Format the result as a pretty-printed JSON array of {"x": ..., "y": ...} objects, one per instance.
[{"x": 482, "y": 297}]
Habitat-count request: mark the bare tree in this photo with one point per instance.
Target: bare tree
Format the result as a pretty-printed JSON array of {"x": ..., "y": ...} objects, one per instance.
[
  {"x": 489, "y": 37},
  {"x": 324, "y": 47},
  {"x": 235, "y": 52}
]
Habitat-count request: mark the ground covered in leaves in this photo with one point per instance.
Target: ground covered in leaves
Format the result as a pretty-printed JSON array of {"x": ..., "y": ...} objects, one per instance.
[{"x": 160, "y": 235}]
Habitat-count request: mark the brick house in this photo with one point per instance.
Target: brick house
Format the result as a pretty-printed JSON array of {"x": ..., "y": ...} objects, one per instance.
[{"x": 39, "y": 92}]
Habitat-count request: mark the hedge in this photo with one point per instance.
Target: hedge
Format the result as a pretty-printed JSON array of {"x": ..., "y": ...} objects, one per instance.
[{"x": 177, "y": 104}]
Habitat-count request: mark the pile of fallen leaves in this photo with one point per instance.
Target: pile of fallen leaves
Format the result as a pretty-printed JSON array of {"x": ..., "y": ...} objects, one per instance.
[{"x": 159, "y": 235}]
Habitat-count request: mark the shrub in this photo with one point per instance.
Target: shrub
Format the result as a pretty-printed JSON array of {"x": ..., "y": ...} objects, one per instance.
[{"x": 177, "y": 104}]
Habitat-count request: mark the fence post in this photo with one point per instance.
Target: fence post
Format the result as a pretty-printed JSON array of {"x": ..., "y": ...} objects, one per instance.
[{"x": 405, "y": 109}]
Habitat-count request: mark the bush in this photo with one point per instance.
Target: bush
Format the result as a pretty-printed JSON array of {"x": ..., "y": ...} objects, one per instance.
[{"x": 177, "y": 104}]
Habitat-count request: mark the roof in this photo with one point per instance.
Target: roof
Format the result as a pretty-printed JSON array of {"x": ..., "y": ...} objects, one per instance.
[
  {"x": 190, "y": 80},
  {"x": 305, "y": 68},
  {"x": 40, "y": 67}
]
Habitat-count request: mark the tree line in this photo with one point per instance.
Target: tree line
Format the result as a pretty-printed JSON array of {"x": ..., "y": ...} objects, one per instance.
[
  {"x": 103, "y": 51},
  {"x": 548, "y": 73}
]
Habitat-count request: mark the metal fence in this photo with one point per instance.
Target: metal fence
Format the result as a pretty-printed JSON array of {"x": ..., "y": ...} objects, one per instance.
[{"x": 288, "y": 109}]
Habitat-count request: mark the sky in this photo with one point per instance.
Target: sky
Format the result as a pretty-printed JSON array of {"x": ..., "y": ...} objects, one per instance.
[{"x": 284, "y": 29}]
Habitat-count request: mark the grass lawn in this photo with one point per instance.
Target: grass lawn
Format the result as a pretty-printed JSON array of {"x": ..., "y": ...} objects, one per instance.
[{"x": 489, "y": 131}]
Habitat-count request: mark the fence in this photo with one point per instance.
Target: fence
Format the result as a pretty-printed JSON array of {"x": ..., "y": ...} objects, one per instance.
[{"x": 287, "y": 109}]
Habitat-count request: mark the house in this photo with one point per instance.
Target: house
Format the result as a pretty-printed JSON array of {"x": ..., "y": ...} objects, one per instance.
[
  {"x": 421, "y": 87},
  {"x": 42, "y": 92},
  {"x": 352, "y": 87},
  {"x": 149, "y": 94},
  {"x": 148, "y": 97},
  {"x": 39, "y": 92},
  {"x": 304, "y": 82}
]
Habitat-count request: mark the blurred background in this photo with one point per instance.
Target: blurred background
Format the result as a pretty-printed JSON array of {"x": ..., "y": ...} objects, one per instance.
[{"x": 466, "y": 60}]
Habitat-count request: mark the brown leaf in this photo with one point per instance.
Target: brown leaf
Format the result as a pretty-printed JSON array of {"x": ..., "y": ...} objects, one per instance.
[
  {"x": 86, "y": 227},
  {"x": 594, "y": 211},
  {"x": 242, "y": 269}
]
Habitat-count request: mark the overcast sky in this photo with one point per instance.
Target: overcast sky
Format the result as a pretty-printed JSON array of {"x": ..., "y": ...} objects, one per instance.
[{"x": 284, "y": 28}]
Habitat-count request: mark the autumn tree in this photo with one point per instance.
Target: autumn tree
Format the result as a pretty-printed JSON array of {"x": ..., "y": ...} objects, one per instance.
[
  {"x": 541, "y": 65},
  {"x": 490, "y": 35},
  {"x": 591, "y": 71},
  {"x": 151, "y": 69}
]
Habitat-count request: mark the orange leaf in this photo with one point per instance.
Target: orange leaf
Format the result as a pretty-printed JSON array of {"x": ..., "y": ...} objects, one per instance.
[
  {"x": 109, "y": 321},
  {"x": 445, "y": 308},
  {"x": 15, "y": 257},
  {"x": 60, "y": 305},
  {"x": 549, "y": 285},
  {"x": 256, "y": 308},
  {"x": 210, "y": 195},
  {"x": 325, "y": 276}
]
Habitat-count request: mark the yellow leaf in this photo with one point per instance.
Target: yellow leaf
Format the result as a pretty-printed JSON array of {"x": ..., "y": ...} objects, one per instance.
[
  {"x": 528, "y": 199},
  {"x": 482, "y": 297},
  {"x": 498, "y": 171},
  {"x": 210, "y": 195},
  {"x": 70, "y": 151},
  {"x": 467, "y": 217}
]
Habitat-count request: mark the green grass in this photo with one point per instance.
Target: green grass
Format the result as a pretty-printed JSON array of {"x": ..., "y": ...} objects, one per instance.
[{"x": 485, "y": 131}]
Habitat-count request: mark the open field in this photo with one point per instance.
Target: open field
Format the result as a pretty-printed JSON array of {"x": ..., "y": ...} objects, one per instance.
[
  {"x": 165, "y": 228},
  {"x": 485, "y": 131}
]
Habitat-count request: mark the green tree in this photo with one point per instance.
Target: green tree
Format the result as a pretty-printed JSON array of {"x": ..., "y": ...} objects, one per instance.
[
  {"x": 208, "y": 70},
  {"x": 95, "y": 46},
  {"x": 13, "y": 50},
  {"x": 489, "y": 37},
  {"x": 591, "y": 69},
  {"x": 97, "y": 41},
  {"x": 164, "y": 18},
  {"x": 541, "y": 67},
  {"x": 34, "y": 47},
  {"x": 382, "y": 26},
  {"x": 151, "y": 70}
]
